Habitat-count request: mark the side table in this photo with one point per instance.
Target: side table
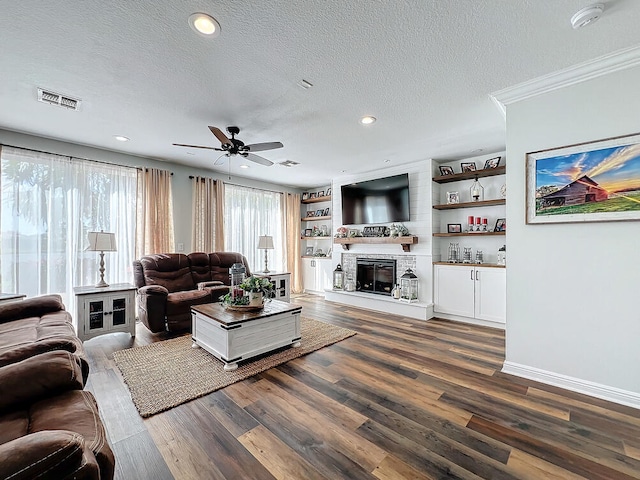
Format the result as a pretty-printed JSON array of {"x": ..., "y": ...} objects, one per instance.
[
  {"x": 102, "y": 310},
  {"x": 281, "y": 282}
]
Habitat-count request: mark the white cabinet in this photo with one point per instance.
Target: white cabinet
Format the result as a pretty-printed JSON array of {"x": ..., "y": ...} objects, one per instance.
[
  {"x": 470, "y": 291},
  {"x": 101, "y": 310},
  {"x": 317, "y": 274},
  {"x": 281, "y": 284}
]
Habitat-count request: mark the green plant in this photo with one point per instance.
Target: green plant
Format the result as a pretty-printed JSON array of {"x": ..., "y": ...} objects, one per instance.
[
  {"x": 258, "y": 284},
  {"x": 239, "y": 300}
]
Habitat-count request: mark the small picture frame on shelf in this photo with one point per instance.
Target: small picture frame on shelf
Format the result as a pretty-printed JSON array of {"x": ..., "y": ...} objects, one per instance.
[
  {"x": 326, "y": 212},
  {"x": 308, "y": 232},
  {"x": 446, "y": 170},
  {"x": 454, "y": 228},
  {"x": 453, "y": 197},
  {"x": 309, "y": 251},
  {"x": 320, "y": 212},
  {"x": 354, "y": 232},
  {"x": 329, "y": 192},
  {"x": 468, "y": 167},
  {"x": 324, "y": 231},
  {"x": 305, "y": 196},
  {"x": 492, "y": 163},
  {"x": 312, "y": 195},
  {"x": 311, "y": 213},
  {"x": 321, "y": 193},
  {"x": 501, "y": 225}
]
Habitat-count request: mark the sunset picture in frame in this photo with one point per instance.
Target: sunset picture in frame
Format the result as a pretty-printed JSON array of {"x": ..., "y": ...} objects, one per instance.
[{"x": 588, "y": 182}]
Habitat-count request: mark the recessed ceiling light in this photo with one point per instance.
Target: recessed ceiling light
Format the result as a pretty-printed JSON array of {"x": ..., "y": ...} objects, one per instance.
[
  {"x": 367, "y": 120},
  {"x": 121, "y": 138},
  {"x": 204, "y": 24},
  {"x": 244, "y": 166},
  {"x": 587, "y": 15}
]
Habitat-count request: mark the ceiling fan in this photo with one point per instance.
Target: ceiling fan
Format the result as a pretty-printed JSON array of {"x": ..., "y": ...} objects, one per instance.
[{"x": 232, "y": 146}]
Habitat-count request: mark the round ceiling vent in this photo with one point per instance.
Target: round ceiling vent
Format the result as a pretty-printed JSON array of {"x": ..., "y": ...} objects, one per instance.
[{"x": 587, "y": 15}]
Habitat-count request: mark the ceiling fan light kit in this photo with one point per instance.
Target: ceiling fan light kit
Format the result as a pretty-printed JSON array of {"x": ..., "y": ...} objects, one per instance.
[
  {"x": 204, "y": 25},
  {"x": 587, "y": 15}
]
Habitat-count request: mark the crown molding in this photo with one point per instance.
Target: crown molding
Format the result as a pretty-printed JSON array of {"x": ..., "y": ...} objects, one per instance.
[{"x": 612, "y": 62}]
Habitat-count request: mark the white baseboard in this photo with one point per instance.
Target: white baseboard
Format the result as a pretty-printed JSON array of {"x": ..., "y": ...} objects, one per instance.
[
  {"x": 471, "y": 320},
  {"x": 605, "y": 392}
]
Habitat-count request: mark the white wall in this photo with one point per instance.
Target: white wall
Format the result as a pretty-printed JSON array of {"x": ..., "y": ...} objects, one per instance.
[
  {"x": 573, "y": 289},
  {"x": 180, "y": 184}
]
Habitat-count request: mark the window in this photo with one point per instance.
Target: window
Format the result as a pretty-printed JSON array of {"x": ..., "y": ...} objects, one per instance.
[
  {"x": 248, "y": 214},
  {"x": 49, "y": 204}
]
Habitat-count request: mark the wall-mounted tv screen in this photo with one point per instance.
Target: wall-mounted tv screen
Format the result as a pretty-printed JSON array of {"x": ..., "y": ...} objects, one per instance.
[{"x": 383, "y": 200}]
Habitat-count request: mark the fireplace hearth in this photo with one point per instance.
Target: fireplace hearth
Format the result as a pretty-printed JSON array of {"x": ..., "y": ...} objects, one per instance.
[{"x": 375, "y": 275}]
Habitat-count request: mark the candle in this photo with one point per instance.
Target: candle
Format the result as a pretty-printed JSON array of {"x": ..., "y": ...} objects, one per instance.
[
  {"x": 477, "y": 220},
  {"x": 484, "y": 221},
  {"x": 470, "y": 219}
]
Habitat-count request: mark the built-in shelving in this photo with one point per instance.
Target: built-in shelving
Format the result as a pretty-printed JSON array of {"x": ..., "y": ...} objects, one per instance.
[
  {"x": 326, "y": 198},
  {"x": 488, "y": 265},
  {"x": 314, "y": 219},
  {"x": 481, "y": 203},
  {"x": 485, "y": 172},
  {"x": 405, "y": 242},
  {"x": 316, "y": 237},
  {"x": 468, "y": 234}
]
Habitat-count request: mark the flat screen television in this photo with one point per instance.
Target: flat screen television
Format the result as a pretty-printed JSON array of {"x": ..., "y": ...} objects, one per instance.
[{"x": 383, "y": 200}]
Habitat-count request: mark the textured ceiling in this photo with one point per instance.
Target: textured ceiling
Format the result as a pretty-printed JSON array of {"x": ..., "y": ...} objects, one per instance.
[{"x": 423, "y": 68}]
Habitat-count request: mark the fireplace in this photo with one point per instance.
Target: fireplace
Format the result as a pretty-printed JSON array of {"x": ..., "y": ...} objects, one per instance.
[{"x": 375, "y": 275}]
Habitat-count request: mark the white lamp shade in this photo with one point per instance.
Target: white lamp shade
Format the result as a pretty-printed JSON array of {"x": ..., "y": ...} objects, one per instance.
[
  {"x": 101, "y": 242},
  {"x": 266, "y": 242}
]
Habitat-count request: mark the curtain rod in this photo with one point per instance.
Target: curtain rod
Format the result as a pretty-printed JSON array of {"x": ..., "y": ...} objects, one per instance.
[
  {"x": 146, "y": 169},
  {"x": 72, "y": 156},
  {"x": 243, "y": 186}
]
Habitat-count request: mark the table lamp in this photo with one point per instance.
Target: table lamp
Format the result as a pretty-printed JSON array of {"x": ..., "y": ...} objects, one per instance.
[
  {"x": 265, "y": 242},
  {"x": 101, "y": 242}
]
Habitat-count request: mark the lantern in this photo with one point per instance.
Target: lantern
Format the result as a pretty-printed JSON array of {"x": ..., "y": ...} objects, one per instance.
[
  {"x": 409, "y": 287},
  {"x": 338, "y": 276},
  {"x": 237, "y": 274},
  {"x": 476, "y": 192}
]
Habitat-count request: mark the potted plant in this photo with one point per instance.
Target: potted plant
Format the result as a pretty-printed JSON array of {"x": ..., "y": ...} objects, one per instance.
[{"x": 258, "y": 288}]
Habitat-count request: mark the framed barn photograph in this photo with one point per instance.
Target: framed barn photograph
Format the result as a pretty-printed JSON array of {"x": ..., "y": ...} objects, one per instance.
[
  {"x": 453, "y": 197},
  {"x": 446, "y": 170},
  {"x": 588, "y": 182},
  {"x": 454, "y": 228},
  {"x": 492, "y": 163}
]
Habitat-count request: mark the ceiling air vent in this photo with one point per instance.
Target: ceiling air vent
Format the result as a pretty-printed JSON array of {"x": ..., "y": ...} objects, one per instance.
[
  {"x": 289, "y": 163},
  {"x": 53, "y": 98}
]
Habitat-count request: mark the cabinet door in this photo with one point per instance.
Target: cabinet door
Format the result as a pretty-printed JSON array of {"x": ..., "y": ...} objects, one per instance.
[
  {"x": 97, "y": 310},
  {"x": 491, "y": 286},
  {"x": 324, "y": 275},
  {"x": 119, "y": 311},
  {"x": 309, "y": 274},
  {"x": 454, "y": 290}
]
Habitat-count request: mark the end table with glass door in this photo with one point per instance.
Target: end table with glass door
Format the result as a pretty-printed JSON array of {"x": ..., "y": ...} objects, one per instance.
[{"x": 102, "y": 310}]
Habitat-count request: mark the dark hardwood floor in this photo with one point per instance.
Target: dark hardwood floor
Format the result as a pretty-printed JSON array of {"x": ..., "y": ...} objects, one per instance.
[{"x": 403, "y": 399}]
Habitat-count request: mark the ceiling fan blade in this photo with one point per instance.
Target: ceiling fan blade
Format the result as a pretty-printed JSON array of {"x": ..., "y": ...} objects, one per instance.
[
  {"x": 195, "y": 146},
  {"x": 258, "y": 159},
  {"x": 224, "y": 140},
  {"x": 259, "y": 147},
  {"x": 219, "y": 160}
]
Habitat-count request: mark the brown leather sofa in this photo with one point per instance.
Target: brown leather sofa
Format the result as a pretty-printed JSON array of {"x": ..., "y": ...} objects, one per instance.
[
  {"x": 170, "y": 283},
  {"x": 37, "y": 325},
  {"x": 49, "y": 427}
]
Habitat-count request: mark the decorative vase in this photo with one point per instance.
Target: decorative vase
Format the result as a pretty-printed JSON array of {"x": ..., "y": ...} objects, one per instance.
[{"x": 255, "y": 299}]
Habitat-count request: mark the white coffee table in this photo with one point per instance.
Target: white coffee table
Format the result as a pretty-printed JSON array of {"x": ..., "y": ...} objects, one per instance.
[{"x": 232, "y": 336}]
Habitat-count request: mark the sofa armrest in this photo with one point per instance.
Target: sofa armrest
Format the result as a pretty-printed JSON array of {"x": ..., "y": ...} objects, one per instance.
[
  {"x": 211, "y": 283},
  {"x": 30, "y": 307},
  {"x": 217, "y": 292},
  {"x": 52, "y": 454},
  {"x": 36, "y": 377},
  {"x": 152, "y": 307}
]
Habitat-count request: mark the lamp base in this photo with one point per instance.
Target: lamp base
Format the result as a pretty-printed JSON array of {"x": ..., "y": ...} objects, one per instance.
[{"x": 101, "y": 284}]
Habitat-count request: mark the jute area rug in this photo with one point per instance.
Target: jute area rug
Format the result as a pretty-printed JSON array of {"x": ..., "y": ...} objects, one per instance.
[{"x": 166, "y": 374}]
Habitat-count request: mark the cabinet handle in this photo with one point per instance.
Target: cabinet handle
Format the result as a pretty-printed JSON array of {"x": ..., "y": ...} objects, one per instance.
[
  {"x": 476, "y": 275},
  {"x": 472, "y": 275}
]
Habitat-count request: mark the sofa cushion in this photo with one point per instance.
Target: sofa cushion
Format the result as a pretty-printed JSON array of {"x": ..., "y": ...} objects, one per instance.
[
  {"x": 220, "y": 263},
  {"x": 32, "y": 307},
  {"x": 200, "y": 267},
  {"x": 170, "y": 270},
  {"x": 180, "y": 302}
]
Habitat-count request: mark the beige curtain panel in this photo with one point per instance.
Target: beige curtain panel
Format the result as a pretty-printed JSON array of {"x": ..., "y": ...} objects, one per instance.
[
  {"x": 206, "y": 216},
  {"x": 292, "y": 235},
  {"x": 154, "y": 213}
]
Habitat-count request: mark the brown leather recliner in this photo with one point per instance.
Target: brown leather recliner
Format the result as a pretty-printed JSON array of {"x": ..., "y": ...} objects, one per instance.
[
  {"x": 49, "y": 427},
  {"x": 170, "y": 283},
  {"x": 37, "y": 325}
]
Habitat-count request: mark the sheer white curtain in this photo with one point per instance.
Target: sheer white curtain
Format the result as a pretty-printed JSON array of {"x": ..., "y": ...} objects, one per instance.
[
  {"x": 249, "y": 213},
  {"x": 49, "y": 204}
]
